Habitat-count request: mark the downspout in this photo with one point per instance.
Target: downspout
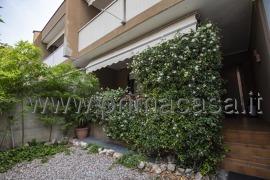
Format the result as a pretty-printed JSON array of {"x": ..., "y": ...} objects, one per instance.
[{"x": 124, "y": 21}]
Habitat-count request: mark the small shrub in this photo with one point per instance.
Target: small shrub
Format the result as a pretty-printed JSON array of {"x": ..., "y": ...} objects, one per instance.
[{"x": 131, "y": 160}]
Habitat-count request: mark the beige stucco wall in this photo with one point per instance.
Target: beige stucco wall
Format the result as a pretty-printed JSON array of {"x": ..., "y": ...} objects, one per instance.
[
  {"x": 37, "y": 35},
  {"x": 261, "y": 43},
  {"x": 78, "y": 13}
]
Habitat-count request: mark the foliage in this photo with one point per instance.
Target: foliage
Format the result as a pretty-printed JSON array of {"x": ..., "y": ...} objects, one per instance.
[
  {"x": 131, "y": 160},
  {"x": 65, "y": 81},
  {"x": 93, "y": 148},
  {"x": 187, "y": 66},
  {"x": 10, "y": 158},
  {"x": 6, "y": 102},
  {"x": 20, "y": 69},
  {"x": 80, "y": 120}
]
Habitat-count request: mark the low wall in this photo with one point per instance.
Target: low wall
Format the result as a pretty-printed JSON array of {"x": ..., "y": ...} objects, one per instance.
[{"x": 33, "y": 129}]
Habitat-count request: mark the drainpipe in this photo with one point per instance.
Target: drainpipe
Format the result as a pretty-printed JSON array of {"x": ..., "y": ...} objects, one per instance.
[{"x": 124, "y": 21}]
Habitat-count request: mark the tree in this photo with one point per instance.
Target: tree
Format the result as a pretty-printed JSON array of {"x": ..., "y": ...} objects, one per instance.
[
  {"x": 20, "y": 69},
  {"x": 62, "y": 82}
]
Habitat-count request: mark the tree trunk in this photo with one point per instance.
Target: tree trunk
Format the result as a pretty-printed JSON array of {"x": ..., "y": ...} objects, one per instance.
[
  {"x": 50, "y": 137},
  {"x": 11, "y": 135},
  {"x": 22, "y": 118}
]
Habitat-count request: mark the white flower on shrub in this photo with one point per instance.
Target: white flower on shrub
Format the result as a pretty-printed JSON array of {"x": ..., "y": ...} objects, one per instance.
[
  {"x": 186, "y": 74},
  {"x": 174, "y": 55},
  {"x": 185, "y": 38}
]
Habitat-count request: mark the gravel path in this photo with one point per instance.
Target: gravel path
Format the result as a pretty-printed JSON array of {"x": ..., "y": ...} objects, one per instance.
[{"x": 79, "y": 165}]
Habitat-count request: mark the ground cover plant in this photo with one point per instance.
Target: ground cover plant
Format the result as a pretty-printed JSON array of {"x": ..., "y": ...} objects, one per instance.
[
  {"x": 131, "y": 160},
  {"x": 10, "y": 158},
  {"x": 93, "y": 148}
]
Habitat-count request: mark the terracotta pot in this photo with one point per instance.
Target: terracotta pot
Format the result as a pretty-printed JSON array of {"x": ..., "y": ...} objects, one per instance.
[{"x": 81, "y": 133}]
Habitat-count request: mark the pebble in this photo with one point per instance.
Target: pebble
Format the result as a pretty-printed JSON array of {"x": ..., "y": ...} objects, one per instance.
[
  {"x": 117, "y": 155},
  {"x": 198, "y": 176},
  {"x": 171, "y": 167},
  {"x": 188, "y": 171},
  {"x": 78, "y": 165},
  {"x": 156, "y": 169},
  {"x": 163, "y": 167},
  {"x": 141, "y": 165}
]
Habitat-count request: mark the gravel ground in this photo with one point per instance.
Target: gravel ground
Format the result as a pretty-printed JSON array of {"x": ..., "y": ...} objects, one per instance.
[{"x": 78, "y": 165}]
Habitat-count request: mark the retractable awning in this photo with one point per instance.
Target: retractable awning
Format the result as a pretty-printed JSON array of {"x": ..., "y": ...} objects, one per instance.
[{"x": 182, "y": 26}]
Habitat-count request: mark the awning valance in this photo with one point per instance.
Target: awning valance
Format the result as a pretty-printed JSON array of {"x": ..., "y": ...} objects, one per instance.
[{"x": 183, "y": 26}]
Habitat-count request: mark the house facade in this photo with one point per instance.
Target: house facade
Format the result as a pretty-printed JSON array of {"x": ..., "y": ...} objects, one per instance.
[{"x": 101, "y": 36}]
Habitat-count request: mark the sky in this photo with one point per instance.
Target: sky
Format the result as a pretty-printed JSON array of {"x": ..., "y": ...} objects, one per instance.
[{"x": 23, "y": 16}]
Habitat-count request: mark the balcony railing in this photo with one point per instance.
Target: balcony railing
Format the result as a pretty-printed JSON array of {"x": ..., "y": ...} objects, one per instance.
[
  {"x": 110, "y": 18},
  {"x": 57, "y": 57}
]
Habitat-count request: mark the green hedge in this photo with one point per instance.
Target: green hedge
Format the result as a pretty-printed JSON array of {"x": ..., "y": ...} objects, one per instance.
[{"x": 187, "y": 66}]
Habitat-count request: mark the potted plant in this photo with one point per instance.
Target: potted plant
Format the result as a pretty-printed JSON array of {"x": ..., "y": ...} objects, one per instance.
[{"x": 81, "y": 126}]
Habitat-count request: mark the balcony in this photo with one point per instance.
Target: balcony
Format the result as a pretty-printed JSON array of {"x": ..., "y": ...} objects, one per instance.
[
  {"x": 111, "y": 18},
  {"x": 55, "y": 27},
  {"x": 57, "y": 57}
]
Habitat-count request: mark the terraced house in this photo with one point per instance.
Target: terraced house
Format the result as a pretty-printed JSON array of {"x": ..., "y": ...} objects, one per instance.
[{"x": 102, "y": 36}]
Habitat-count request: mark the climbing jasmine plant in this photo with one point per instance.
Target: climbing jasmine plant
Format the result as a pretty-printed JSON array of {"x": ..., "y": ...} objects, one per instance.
[{"x": 187, "y": 66}]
